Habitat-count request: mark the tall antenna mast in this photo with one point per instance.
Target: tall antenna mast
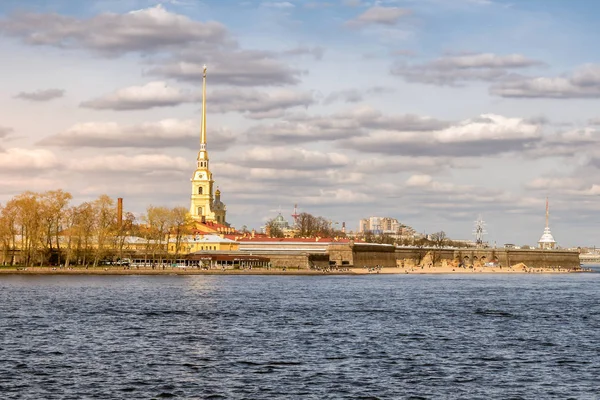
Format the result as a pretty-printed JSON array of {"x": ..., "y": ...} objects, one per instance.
[{"x": 295, "y": 215}]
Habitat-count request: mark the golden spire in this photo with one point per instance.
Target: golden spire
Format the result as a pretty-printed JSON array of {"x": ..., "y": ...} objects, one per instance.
[{"x": 203, "y": 132}]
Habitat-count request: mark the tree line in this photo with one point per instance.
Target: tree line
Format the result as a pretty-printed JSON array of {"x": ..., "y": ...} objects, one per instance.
[
  {"x": 46, "y": 228},
  {"x": 306, "y": 225}
]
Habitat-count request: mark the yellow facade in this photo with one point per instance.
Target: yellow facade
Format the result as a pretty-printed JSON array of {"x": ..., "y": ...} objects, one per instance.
[{"x": 191, "y": 244}]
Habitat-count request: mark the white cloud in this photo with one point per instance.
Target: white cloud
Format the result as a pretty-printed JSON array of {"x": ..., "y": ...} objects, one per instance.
[
  {"x": 41, "y": 95},
  {"x": 488, "y": 134},
  {"x": 127, "y": 163},
  {"x": 161, "y": 134},
  {"x": 419, "y": 180},
  {"x": 458, "y": 69},
  {"x": 291, "y": 158},
  {"x": 258, "y": 102},
  {"x": 379, "y": 15},
  {"x": 231, "y": 67},
  {"x": 17, "y": 159},
  {"x": 584, "y": 82},
  {"x": 150, "y": 95},
  {"x": 112, "y": 34}
]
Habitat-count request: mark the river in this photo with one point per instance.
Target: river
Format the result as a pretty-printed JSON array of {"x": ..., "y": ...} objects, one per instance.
[{"x": 309, "y": 337}]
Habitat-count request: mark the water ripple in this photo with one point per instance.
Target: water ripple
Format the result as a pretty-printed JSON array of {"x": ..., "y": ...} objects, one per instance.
[{"x": 248, "y": 337}]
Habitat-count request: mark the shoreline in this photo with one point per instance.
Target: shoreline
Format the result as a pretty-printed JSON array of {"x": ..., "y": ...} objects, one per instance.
[{"x": 281, "y": 271}]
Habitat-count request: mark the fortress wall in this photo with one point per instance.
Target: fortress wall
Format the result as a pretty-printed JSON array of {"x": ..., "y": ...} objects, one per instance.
[
  {"x": 288, "y": 260},
  {"x": 362, "y": 254},
  {"x": 543, "y": 258},
  {"x": 413, "y": 256}
]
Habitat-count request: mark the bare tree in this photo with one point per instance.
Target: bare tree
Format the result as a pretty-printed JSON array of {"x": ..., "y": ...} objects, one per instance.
[
  {"x": 439, "y": 238},
  {"x": 273, "y": 229}
]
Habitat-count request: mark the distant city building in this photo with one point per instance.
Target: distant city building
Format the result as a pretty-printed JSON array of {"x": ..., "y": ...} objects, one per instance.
[
  {"x": 384, "y": 225},
  {"x": 547, "y": 241}
]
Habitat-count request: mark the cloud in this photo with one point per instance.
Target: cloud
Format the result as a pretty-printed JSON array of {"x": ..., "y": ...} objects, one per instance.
[
  {"x": 487, "y": 135},
  {"x": 5, "y": 131},
  {"x": 572, "y": 143},
  {"x": 352, "y": 3},
  {"x": 291, "y": 158},
  {"x": 235, "y": 67},
  {"x": 555, "y": 184},
  {"x": 316, "y": 5},
  {"x": 301, "y": 128},
  {"x": 394, "y": 164},
  {"x": 17, "y": 159},
  {"x": 277, "y": 4},
  {"x": 41, "y": 95},
  {"x": 584, "y": 82},
  {"x": 130, "y": 163},
  {"x": 110, "y": 34},
  {"x": 379, "y": 15},
  {"x": 317, "y": 51},
  {"x": 150, "y": 95},
  {"x": 161, "y": 134},
  {"x": 457, "y": 69},
  {"x": 354, "y": 95},
  {"x": 419, "y": 180},
  {"x": 256, "y": 103}
]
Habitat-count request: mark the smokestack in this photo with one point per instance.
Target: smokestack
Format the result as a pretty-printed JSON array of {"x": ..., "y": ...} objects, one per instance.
[{"x": 120, "y": 212}]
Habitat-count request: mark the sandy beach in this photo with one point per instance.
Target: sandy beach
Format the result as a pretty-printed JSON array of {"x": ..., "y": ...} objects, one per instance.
[{"x": 517, "y": 269}]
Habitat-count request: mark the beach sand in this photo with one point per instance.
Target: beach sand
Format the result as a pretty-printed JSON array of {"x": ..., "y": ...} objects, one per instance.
[{"x": 516, "y": 269}]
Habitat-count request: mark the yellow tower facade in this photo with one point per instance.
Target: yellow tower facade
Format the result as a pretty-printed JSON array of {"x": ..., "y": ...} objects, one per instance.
[{"x": 204, "y": 206}]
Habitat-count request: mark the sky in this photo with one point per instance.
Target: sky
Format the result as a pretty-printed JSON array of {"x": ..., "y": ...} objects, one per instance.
[{"x": 429, "y": 111}]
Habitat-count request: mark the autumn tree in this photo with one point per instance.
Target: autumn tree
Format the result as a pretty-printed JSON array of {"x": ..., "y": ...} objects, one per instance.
[
  {"x": 273, "y": 229},
  {"x": 157, "y": 220},
  {"x": 179, "y": 222},
  {"x": 52, "y": 214},
  {"x": 105, "y": 220},
  {"x": 310, "y": 226}
]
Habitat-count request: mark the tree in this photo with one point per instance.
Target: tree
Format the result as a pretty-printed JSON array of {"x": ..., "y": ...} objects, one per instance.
[
  {"x": 310, "y": 226},
  {"x": 52, "y": 214},
  {"x": 157, "y": 221},
  {"x": 26, "y": 208},
  {"x": 105, "y": 218},
  {"x": 438, "y": 238},
  {"x": 179, "y": 221},
  {"x": 273, "y": 229}
]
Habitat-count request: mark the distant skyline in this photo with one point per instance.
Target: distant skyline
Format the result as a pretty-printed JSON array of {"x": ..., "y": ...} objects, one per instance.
[{"x": 432, "y": 112}]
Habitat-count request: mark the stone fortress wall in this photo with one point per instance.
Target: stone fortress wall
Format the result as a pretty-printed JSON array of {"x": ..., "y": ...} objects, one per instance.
[{"x": 372, "y": 255}]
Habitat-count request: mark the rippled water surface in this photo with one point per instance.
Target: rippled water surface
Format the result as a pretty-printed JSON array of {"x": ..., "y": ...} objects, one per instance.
[{"x": 373, "y": 336}]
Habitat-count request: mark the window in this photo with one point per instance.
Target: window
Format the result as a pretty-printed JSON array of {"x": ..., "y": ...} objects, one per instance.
[
  {"x": 199, "y": 210},
  {"x": 200, "y": 190}
]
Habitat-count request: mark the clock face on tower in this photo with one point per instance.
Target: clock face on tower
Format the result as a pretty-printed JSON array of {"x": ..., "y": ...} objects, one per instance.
[{"x": 199, "y": 175}]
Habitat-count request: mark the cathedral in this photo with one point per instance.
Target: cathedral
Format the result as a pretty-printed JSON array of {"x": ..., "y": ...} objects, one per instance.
[{"x": 205, "y": 208}]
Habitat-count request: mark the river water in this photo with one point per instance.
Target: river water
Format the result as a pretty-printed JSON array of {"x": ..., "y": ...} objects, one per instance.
[{"x": 304, "y": 337}]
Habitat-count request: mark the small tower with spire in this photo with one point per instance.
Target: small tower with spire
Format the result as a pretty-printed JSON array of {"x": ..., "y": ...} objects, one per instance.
[
  {"x": 547, "y": 241},
  {"x": 204, "y": 207}
]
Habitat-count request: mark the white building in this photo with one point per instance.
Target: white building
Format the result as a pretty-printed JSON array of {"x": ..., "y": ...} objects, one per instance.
[{"x": 378, "y": 225}]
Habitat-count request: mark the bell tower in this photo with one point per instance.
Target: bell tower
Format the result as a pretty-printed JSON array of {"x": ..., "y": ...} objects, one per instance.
[{"x": 202, "y": 208}]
